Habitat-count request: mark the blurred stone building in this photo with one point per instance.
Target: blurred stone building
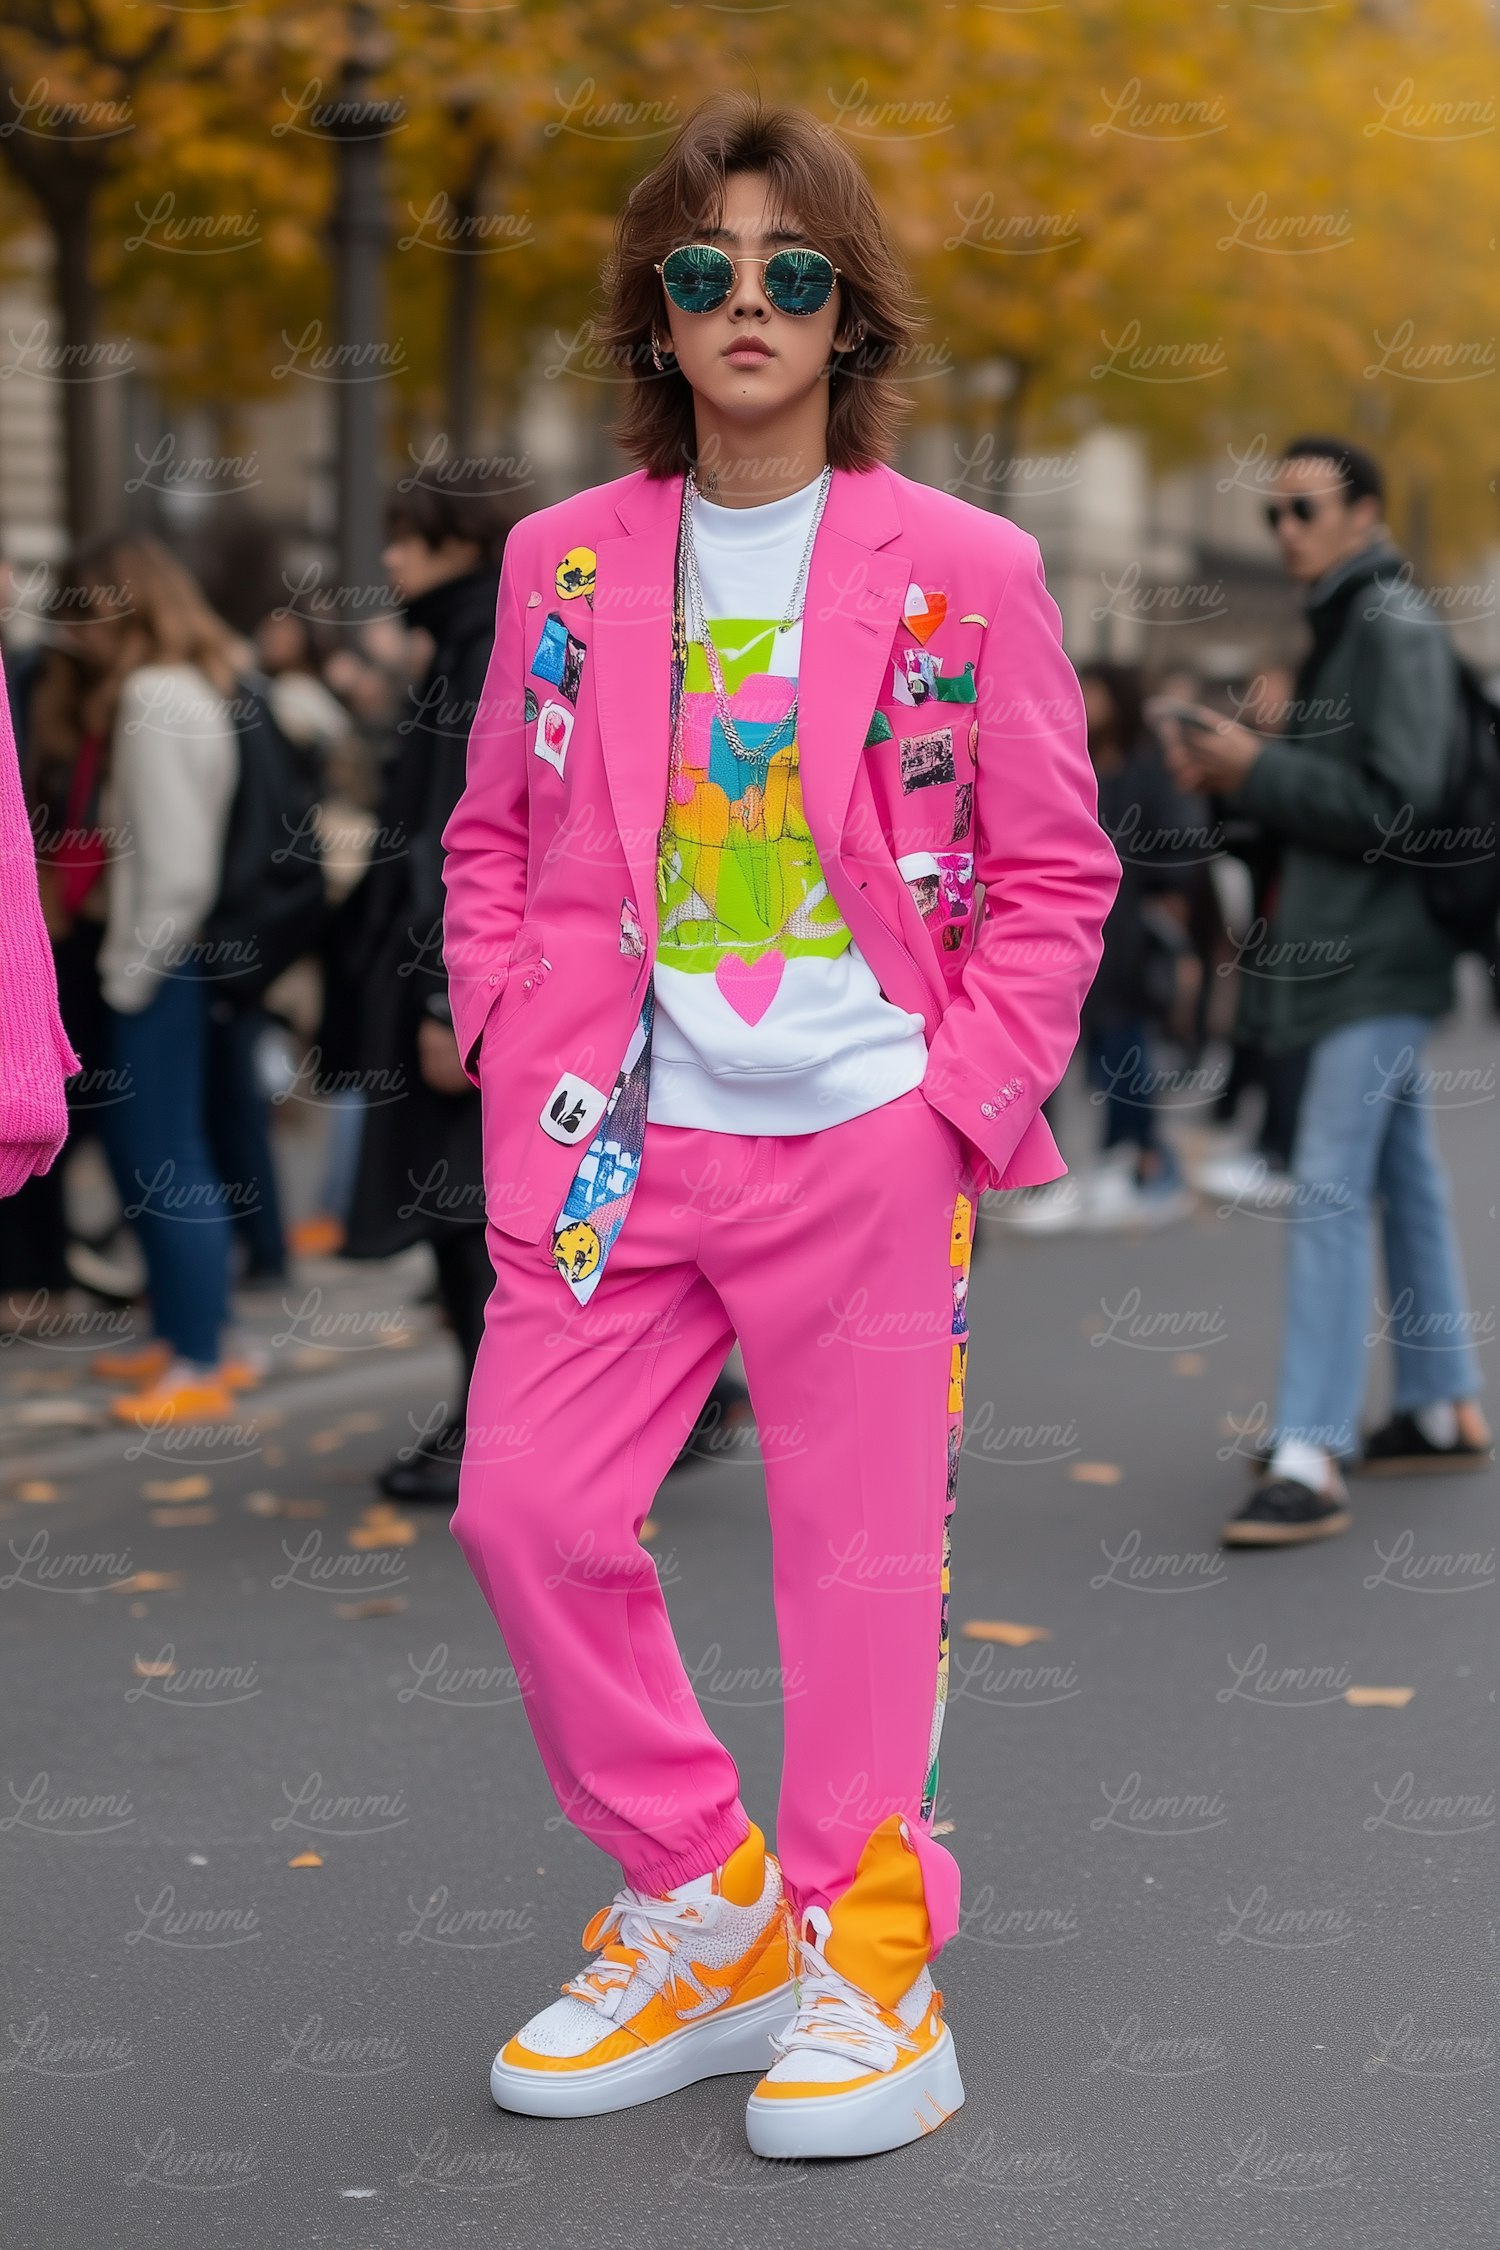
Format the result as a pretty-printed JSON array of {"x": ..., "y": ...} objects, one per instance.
[{"x": 1168, "y": 571}]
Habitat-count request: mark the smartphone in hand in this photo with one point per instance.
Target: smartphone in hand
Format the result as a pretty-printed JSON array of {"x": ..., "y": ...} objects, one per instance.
[{"x": 1193, "y": 718}]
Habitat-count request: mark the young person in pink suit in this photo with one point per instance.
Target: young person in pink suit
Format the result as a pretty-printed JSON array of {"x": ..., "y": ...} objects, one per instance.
[
  {"x": 759, "y": 718},
  {"x": 36, "y": 1058}
]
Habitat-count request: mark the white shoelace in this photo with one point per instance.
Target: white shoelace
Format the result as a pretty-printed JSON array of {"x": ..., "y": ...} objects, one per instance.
[
  {"x": 643, "y": 1923},
  {"x": 837, "y": 2017}
]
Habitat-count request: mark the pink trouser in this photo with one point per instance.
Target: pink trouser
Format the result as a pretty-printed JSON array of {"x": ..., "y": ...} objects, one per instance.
[{"x": 839, "y": 1260}]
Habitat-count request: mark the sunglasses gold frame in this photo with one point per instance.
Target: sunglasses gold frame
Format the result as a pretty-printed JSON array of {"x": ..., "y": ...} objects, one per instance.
[{"x": 737, "y": 261}]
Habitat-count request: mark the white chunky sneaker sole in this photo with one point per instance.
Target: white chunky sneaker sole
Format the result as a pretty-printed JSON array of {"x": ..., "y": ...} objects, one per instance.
[
  {"x": 734, "y": 2039},
  {"x": 885, "y": 2114}
]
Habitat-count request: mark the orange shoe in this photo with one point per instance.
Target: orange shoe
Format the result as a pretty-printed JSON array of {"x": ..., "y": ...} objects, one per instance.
[
  {"x": 852, "y": 2077},
  {"x": 182, "y": 1395},
  {"x": 146, "y": 1364},
  {"x": 321, "y": 1236},
  {"x": 867, "y": 2062},
  {"x": 241, "y": 1374},
  {"x": 691, "y": 1983},
  {"x": 133, "y": 1363}
]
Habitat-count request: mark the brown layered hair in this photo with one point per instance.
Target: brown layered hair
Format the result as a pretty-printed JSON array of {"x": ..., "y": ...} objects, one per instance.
[
  {"x": 167, "y": 620},
  {"x": 813, "y": 179}
]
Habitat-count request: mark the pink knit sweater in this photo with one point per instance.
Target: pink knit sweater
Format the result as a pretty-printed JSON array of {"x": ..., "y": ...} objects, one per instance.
[{"x": 35, "y": 1056}]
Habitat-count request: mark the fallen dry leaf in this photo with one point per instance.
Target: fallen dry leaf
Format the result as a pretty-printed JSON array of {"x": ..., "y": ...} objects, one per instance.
[
  {"x": 325, "y": 1441},
  {"x": 362, "y": 1421},
  {"x": 1189, "y": 1363},
  {"x": 305, "y": 1859},
  {"x": 380, "y": 1526},
  {"x": 153, "y": 1670},
  {"x": 650, "y": 1528},
  {"x": 37, "y": 1491},
  {"x": 997, "y": 1629},
  {"x": 1096, "y": 1472},
  {"x": 1396, "y": 1697},
  {"x": 380, "y": 1605},
  {"x": 271, "y": 1504},
  {"x": 942, "y": 1828},
  {"x": 55, "y": 1414},
  {"x": 180, "y": 1488},
  {"x": 186, "y": 1516},
  {"x": 148, "y": 1582}
]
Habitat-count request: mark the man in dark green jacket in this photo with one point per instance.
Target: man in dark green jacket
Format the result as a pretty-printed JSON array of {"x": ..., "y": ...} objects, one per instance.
[{"x": 1352, "y": 966}]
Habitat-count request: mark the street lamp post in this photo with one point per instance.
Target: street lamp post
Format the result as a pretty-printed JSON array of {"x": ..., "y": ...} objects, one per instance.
[{"x": 359, "y": 126}]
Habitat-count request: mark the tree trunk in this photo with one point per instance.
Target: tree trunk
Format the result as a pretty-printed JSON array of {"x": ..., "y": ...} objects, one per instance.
[
  {"x": 359, "y": 238},
  {"x": 78, "y": 307},
  {"x": 463, "y": 328}
]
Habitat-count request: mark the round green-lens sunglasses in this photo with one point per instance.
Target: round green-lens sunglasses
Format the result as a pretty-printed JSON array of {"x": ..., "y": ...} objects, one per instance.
[{"x": 699, "y": 277}]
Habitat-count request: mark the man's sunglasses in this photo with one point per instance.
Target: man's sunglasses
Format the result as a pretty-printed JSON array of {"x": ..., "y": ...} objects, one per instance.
[
  {"x": 1304, "y": 506},
  {"x": 698, "y": 278}
]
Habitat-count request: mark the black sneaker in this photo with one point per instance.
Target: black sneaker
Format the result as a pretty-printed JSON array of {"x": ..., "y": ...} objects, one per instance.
[
  {"x": 1402, "y": 1449},
  {"x": 726, "y": 1412},
  {"x": 1280, "y": 1512},
  {"x": 430, "y": 1473}
]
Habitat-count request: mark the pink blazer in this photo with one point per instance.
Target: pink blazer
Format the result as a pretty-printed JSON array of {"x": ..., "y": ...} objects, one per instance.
[
  {"x": 35, "y": 1057},
  {"x": 550, "y": 927}
]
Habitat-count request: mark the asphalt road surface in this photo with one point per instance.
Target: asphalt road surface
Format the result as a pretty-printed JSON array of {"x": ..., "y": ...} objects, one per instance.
[{"x": 1223, "y": 1979}]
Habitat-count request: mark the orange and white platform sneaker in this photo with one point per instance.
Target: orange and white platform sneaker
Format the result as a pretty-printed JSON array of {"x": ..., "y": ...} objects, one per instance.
[
  {"x": 691, "y": 1984},
  {"x": 867, "y": 2062},
  {"x": 183, "y": 1393}
]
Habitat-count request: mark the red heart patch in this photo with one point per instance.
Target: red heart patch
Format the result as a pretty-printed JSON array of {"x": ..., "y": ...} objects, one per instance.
[{"x": 923, "y": 623}]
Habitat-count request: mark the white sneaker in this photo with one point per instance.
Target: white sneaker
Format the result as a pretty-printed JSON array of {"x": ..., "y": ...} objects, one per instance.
[
  {"x": 1116, "y": 1202},
  {"x": 1245, "y": 1179},
  {"x": 853, "y": 2078},
  {"x": 1056, "y": 1208},
  {"x": 691, "y": 1983}
]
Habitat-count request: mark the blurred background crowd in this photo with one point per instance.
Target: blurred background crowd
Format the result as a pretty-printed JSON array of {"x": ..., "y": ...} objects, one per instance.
[{"x": 297, "y": 314}]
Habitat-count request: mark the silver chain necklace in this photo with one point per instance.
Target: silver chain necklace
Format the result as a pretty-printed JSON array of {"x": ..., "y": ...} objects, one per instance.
[{"x": 785, "y": 728}]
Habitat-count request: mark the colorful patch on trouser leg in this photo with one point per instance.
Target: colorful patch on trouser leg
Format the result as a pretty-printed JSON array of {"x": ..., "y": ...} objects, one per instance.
[
  {"x": 940, "y": 1699},
  {"x": 598, "y": 1197},
  {"x": 960, "y": 1252}
]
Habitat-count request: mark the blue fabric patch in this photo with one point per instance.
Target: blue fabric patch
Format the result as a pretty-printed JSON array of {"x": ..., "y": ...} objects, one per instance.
[{"x": 551, "y": 651}]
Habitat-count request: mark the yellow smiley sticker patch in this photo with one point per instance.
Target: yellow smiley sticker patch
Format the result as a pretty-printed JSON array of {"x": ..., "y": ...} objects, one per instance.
[{"x": 575, "y": 574}]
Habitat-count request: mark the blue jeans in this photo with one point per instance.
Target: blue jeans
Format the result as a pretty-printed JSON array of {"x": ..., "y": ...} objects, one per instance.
[
  {"x": 1119, "y": 1067},
  {"x": 1365, "y": 1131},
  {"x": 239, "y": 1136},
  {"x": 158, "y": 1150}
]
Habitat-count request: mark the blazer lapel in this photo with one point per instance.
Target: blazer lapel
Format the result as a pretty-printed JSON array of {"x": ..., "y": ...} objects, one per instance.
[
  {"x": 632, "y": 658},
  {"x": 855, "y": 596}
]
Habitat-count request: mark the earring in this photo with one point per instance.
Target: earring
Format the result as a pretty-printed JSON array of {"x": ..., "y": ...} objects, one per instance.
[{"x": 658, "y": 362}]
